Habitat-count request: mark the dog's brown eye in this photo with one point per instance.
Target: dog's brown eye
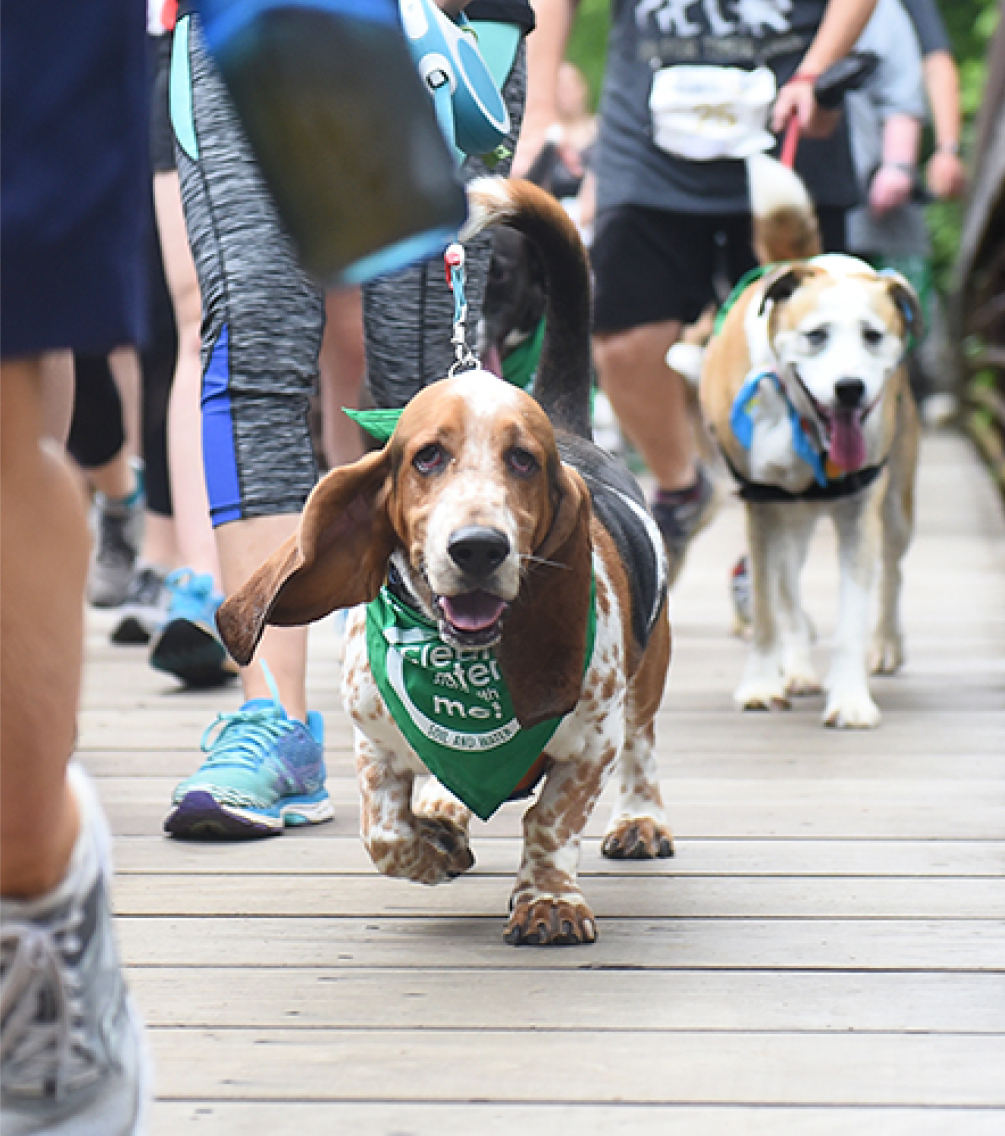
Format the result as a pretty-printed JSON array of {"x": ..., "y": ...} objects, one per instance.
[
  {"x": 872, "y": 336},
  {"x": 521, "y": 461},
  {"x": 431, "y": 458},
  {"x": 817, "y": 337}
]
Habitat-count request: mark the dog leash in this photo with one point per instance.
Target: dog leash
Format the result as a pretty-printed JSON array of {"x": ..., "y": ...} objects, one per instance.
[{"x": 464, "y": 358}]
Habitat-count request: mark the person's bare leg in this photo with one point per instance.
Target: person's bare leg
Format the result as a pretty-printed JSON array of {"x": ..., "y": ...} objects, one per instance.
[
  {"x": 342, "y": 363},
  {"x": 116, "y": 479},
  {"x": 124, "y": 363},
  {"x": 56, "y": 369},
  {"x": 649, "y": 399},
  {"x": 194, "y": 534},
  {"x": 243, "y": 546},
  {"x": 43, "y": 571}
]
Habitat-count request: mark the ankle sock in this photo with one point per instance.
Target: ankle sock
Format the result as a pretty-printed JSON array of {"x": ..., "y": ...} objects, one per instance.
[{"x": 679, "y": 496}]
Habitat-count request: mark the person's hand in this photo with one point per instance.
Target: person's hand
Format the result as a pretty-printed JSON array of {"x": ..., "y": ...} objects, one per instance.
[
  {"x": 535, "y": 134},
  {"x": 890, "y": 187},
  {"x": 797, "y": 98},
  {"x": 946, "y": 175}
]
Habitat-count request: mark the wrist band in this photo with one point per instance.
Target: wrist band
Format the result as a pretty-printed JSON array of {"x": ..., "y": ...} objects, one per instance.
[
  {"x": 901, "y": 167},
  {"x": 948, "y": 148},
  {"x": 803, "y": 77}
]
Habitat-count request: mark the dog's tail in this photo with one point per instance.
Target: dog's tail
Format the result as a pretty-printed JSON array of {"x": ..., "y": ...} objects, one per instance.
[
  {"x": 562, "y": 385},
  {"x": 785, "y": 222}
]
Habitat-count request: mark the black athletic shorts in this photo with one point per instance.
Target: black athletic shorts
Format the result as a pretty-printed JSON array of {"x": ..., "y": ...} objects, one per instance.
[{"x": 653, "y": 265}]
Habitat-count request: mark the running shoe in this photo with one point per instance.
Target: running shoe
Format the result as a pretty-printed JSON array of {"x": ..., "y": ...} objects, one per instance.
[
  {"x": 74, "y": 1061},
  {"x": 681, "y": 515},
  {"x": 263, "y": 771},
  {"x": 117, "y": 533},
  {"x": 188, "y": 645},
  {"x": 144, "y": 610}
]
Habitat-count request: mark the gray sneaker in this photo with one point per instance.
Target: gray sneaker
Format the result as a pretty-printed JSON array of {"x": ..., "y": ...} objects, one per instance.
[
  {"x": 681, "y": 517},
  {"x": 144, "y": 610},
  {"x": 73, "y": 1060},
  {"x": 117, "y": 532}
]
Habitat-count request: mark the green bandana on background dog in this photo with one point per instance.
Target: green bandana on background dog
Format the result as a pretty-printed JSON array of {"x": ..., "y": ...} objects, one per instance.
[{"x": 453, "y": 706}]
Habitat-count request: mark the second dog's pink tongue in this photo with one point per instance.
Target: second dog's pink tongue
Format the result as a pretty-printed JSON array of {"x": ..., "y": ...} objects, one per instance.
[{"x": 847, "y": 450}]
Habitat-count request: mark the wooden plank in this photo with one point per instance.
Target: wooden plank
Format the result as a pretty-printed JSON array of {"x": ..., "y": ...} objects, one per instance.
[
  {"x": 326, "y": 851},
  {"x": 662, "y": 894},
  {"x": 665, "y": 943},
  {"x": 573, "y": 1001},
  {"x": 753, "y": 1068},
  {"x": 724, "y": 808},
  {"x": 417, "y": 1118}
]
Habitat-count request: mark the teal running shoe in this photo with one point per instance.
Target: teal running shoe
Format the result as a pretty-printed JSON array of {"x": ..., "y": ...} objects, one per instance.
[
  {"x": 188, "y": 645},
  {"x": 263, "y": 771}
]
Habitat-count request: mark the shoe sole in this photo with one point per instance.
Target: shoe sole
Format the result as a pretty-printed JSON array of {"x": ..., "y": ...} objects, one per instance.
[
  {"x": 200, "y": 816},
  {"x": 193, "y": 654},
  {"x": 131, "y": 631}
]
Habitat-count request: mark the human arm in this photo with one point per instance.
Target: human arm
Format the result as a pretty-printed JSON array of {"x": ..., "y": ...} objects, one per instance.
[
  {"x": 892, "y": 183},
  {"x": 545, "y": 51},
  {"x": 842, "y": 24},
  {"x": 945, "y": 173}
]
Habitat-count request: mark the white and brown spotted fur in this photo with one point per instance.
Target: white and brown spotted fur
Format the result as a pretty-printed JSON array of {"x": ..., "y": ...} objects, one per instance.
[{"x": 476, "y": 463}]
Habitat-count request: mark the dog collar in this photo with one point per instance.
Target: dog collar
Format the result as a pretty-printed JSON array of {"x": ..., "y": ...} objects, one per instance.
[{"x": 453, "y": 705}]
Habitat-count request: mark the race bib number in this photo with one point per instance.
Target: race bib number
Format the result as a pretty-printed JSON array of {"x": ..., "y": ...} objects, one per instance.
[{"x": 706, "y": 114}]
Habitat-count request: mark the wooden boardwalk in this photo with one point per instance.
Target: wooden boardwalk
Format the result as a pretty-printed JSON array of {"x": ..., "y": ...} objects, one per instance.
[{"x": 825, "y": 954}]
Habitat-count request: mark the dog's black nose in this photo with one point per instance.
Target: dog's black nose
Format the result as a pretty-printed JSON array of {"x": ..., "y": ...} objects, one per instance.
[
  {"x": 477, "y": 550},
  {"x": 849, "y": 393}
]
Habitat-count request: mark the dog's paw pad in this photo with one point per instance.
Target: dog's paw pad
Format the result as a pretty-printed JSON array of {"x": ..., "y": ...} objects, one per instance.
[
  {"x": 550, "y": 922},
  {"x": 856, "y": 712},
  {"x": 641, "y": 838}
]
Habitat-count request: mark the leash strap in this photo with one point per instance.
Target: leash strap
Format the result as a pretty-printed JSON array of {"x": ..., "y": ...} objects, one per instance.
[{"x": 464, "y": 358}]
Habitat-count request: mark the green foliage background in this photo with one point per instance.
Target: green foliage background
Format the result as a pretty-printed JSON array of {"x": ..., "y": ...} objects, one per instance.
[{"x": 971, "y": 23}]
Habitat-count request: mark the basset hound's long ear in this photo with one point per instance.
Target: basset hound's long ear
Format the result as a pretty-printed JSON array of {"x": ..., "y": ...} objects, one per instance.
[
  {"x": 337, "y": 558},
  {"x": 542, "y": 653}
]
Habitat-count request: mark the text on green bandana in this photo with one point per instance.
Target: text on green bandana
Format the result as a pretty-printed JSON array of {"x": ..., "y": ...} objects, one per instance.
[{"x": 453, "y": 705}]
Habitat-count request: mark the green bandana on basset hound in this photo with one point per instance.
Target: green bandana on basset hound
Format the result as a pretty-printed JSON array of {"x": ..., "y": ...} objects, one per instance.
[{"x": 453, "y": 706}]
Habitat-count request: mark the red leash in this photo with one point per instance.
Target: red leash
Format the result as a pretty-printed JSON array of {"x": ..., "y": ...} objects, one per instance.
[{"x": 790, "y": 143}]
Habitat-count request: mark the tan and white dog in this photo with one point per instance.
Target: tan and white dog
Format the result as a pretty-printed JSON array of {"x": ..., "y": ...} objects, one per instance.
[
  {"x": 490, "y": 539},
  {"x": 805, "y": 391}
]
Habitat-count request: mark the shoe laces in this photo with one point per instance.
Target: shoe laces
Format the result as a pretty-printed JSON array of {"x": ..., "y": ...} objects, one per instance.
[
  {"x": 45, "y": 1048},
  {"x": 248, "y": 735}
]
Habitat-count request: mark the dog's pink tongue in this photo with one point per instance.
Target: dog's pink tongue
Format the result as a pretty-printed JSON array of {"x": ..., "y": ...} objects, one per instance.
[
  {"x": 474, "y": 611},
  {"x": 492, "y": 361},
  {"x": 847, "y": 449}
]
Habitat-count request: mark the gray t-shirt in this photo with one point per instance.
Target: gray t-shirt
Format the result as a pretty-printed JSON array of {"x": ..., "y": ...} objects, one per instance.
[{"x": 647, "y": 35}]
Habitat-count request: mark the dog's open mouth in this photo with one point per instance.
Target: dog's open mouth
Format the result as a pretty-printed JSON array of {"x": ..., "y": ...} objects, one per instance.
[{"x": 472, "y": 619}]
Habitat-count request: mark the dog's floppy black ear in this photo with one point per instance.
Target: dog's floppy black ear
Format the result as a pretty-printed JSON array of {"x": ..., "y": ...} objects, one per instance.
[
  {"x": 337, "y": 558},
  {"x": 906, "y": 301},
  {"x": 542, "y": 653},
  {"x": 781, "y": 283}
]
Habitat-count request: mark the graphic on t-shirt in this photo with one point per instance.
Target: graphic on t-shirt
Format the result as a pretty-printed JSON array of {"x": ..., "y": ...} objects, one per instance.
[{"x": 690, "y": 18}]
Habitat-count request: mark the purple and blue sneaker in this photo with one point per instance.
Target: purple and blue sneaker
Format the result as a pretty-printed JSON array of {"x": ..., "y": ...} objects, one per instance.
[{"x": 263, "y": 771}]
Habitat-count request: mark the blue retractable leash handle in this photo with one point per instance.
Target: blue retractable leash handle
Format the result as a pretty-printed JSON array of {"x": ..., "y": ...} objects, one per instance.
[
  {"x": 470, "y": 109},
  {"x": 345, "y": 137}
]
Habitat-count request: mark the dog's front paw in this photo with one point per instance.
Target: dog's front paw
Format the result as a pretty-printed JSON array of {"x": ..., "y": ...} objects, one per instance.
[
  {"x": 550, "y": 922},
  {"x": 886, "y": 656},
  {"x": 437, "y": 851},
  {"x": 851, "y": 709},
  {"x": 762, "y": 695},
  {"x": 637, "y": 838}
]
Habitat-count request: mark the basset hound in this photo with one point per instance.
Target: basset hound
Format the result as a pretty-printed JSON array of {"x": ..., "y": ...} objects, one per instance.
[
  {"x": 515, "y": 631},
  {"x": 805, "y": 390}
]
